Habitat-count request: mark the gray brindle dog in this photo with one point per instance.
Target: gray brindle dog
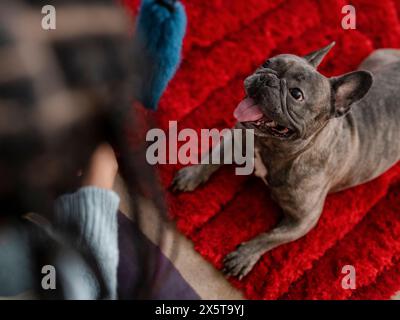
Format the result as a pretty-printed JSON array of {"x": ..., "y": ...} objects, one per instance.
[{"x": 314, "y": 135}]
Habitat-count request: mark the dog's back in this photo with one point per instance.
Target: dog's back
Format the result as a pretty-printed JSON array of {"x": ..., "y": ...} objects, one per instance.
[{"x": 375, "y": 120}]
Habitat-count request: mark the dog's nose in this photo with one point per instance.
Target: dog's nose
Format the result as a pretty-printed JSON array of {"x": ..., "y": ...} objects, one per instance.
[
  {"x": 251, "y": 85},
  {"x": 261, "y": 79},
  {"x": 271, "y": 80}
]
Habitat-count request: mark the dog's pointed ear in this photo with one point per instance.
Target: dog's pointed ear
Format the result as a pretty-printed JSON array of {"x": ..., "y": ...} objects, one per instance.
[
  {"x": 314, "y": 58},
  {"x": 347, "y": 89}
]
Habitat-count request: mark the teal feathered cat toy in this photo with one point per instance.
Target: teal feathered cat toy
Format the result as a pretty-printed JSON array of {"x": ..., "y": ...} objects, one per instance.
[{"x": 160, "y": 30}]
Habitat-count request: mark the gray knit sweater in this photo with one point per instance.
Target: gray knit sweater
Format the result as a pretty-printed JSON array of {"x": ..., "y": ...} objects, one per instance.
[{"x": 85, "y": 219}]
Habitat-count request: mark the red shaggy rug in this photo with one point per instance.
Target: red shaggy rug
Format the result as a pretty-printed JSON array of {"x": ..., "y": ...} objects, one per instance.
[{"x": 227, "y": 40}]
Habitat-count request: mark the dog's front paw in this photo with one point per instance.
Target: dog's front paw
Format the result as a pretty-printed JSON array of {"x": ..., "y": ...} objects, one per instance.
[
  {"x": 187, "y": 179},
  {"x": 241, "y": 261}
]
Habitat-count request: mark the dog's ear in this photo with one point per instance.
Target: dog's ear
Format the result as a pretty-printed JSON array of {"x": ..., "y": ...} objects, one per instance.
[
  {"x": 314, "y": 58},
  {"x": 347, "y": 89}
]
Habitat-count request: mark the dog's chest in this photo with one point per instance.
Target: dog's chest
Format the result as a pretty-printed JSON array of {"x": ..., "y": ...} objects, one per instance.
[{"x": 260, "y": 169}]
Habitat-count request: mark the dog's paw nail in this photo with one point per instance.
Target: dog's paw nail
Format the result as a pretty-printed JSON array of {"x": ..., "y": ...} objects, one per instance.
[
  {"x": 230, "y": 256},
  {"x": 240, "y": 245}
]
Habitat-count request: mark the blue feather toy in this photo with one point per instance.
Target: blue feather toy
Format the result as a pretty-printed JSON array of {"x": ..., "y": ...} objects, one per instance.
[{"x": 159, "y": 36}]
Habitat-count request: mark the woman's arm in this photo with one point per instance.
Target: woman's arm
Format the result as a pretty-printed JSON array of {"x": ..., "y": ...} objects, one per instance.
[{"x": 88, "y": 219}]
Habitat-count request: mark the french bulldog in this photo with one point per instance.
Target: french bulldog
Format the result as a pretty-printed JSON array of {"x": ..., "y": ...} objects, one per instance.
[{"x": 314, "y": 135}]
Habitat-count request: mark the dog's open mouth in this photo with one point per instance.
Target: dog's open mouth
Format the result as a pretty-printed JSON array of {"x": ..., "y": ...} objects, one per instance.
[
  {"x": 273, "y": 127},
  {"x": 250, "y": 114}
]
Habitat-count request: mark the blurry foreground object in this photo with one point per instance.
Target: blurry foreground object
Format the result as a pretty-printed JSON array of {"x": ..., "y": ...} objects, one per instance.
[
  {"x": 63, "y": 93},
  {"x": 160, "y": 29},
  {"x": 60, "y": 93}
]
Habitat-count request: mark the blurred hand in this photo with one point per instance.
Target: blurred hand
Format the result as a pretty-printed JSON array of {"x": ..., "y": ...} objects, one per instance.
[{"x": 103, "y": 168}]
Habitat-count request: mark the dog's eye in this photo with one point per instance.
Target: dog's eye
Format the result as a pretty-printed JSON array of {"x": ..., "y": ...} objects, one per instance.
[
  {"x": 266, "y": 64},
  {"x": 296, "y": 93}
]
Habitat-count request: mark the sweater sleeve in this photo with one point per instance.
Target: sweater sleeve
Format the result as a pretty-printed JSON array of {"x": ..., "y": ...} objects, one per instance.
[{"x": 88, "y": 219}]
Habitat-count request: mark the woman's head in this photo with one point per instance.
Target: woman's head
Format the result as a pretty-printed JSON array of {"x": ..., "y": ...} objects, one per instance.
[{"x": 58, "y": 91}]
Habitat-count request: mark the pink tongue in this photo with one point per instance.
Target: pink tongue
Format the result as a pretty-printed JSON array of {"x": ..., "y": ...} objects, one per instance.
[{"x": 247, "y": 110}]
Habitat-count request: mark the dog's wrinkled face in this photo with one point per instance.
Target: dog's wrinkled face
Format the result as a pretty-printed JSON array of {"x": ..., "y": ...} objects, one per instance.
[
  {"x": 287, "y": 98},
  {"x": 292, "y": 96}
]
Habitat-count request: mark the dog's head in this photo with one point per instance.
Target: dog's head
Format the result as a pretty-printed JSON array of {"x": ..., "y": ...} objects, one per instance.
[{"x": 287, "y": 98}]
